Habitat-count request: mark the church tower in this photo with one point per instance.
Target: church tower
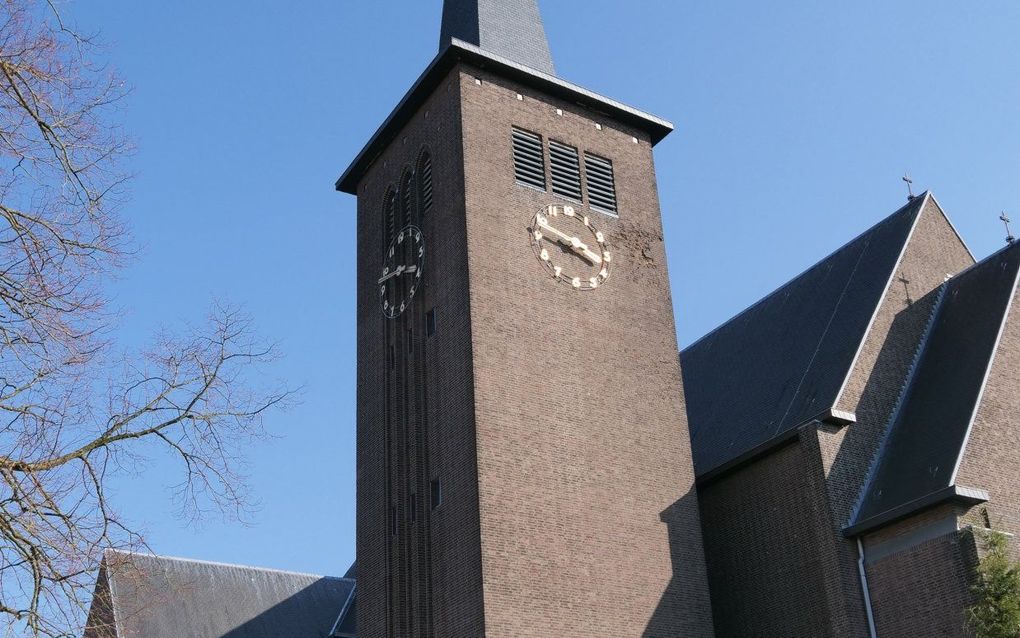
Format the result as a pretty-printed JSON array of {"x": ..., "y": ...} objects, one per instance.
[{"x": 523, "y": 461}]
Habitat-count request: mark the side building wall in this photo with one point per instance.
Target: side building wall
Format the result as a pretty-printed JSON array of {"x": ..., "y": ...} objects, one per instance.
[
  {"x": 398, "y": 582},
  {"x": 767, "y": 545}
]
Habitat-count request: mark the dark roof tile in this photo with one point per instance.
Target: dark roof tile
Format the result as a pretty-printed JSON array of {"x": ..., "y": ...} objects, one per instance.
[
  {"x": 159, "y": 597},
  {"x": 783, "y": 361},
  {"x": 930, "y": 427}
]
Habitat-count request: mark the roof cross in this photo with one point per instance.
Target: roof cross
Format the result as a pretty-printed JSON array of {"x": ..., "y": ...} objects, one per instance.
[
  {"x": 1006, "y": 220},
  {"x": 910, "y": 187}
]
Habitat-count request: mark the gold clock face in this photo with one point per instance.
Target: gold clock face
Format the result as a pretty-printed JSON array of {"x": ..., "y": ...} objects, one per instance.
[
  {"x": 573, "y": 251},
  {"x": 401, "y": 271}
]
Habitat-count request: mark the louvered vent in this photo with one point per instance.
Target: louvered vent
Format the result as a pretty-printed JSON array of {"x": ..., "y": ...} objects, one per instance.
[
  {"x": 529, "y": 161},
  {"x": 601, "y": 183},
  {"x": 406, "y": 198},
  {"x": 425, "y": 183},
  {"x": 565, "y": 168}
]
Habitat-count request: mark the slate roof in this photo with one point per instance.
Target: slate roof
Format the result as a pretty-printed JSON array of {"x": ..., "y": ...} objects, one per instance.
[
  {"x": 511, "y": 29},
  {"x": 158, "y": 597},
  {"x": 917, "y": 464},
  {"x": 782, "y": 362}
]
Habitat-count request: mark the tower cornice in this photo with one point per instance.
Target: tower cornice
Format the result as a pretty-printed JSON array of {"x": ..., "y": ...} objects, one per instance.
[{"x": 458, "y": 51}]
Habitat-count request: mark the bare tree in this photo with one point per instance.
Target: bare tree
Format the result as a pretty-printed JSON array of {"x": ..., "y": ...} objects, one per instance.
[{"x": 72, "y": 412}]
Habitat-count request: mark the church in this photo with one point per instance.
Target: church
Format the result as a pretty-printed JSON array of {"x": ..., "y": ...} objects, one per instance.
[{"x": 537, "y": 457}]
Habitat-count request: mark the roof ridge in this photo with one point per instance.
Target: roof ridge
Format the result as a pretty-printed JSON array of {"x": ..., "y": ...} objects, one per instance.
[
  {"x": 178, "y": 559},
  {"x": 917, "y": 201}
]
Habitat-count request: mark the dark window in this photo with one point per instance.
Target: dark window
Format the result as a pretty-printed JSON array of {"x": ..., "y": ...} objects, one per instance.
[
  {"x": 406, "y": 197},
  {"x": 413, "y": 505},
  {"x": 437, "y": 493},
  {"x": 430, "y": 322},
  {"x": 529, "y": 160},
  {"x": 393, "y": 519},
  {"x": 565, "y": 169},
  {"x": 391, "y": 357},
  {"x": 410, "y": 342},
  {"x": 425, "y": 183},
  {"x": 601, "y": 183},
  {"x": 390, "y": 214}
]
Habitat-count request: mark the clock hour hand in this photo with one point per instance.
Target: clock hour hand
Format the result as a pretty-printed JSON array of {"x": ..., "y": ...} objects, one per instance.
[{"x": 590, "y": 256}]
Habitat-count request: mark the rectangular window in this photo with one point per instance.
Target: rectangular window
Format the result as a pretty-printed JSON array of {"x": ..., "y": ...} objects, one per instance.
[
  {"x": 413, "y": 505},
  {"x": 391, "y": 357},
  {"x": 393, "y": 519},
  {"x": 565, "y": 169},
  {"x": 437, "y": 493},
  {"x": 410, "y": 342},
  {"x": 430, "y": 322},
  {"x": 529, "y": 159},
  {"x": 601, "y": 183}
]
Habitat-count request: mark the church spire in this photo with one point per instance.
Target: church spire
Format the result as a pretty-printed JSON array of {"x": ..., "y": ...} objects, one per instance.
[{"x": 511, "y": 29}]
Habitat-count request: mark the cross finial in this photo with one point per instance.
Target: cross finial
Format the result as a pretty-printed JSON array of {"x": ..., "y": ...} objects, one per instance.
[
  {"x": 910, "y": 186},
  {"x": 1006, "y": 220}
]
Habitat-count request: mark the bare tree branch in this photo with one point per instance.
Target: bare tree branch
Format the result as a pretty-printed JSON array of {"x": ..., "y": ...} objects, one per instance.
[{"x": 71, "y": 414}]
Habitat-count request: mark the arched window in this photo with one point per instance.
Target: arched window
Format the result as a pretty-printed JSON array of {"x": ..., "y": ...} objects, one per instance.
[
  {"x": 389, "y": 216},
  {"x": 406, "y": 197},
  {"x": 424, "y": 182}
]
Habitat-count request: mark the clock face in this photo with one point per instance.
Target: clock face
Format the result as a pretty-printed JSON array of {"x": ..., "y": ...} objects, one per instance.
[
  {"x": 571, "y": 248},
  {"x": 402, "y": 271}
]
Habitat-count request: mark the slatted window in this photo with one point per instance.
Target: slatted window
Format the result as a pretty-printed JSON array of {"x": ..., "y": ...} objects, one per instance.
[
  {"x": 406, "y": 198},
  {"x": 529, "y": 160},
  {"x": 425, "y": 183},
  {"x": 565, "y": 168},
  {"x": 601, "y": 183}
]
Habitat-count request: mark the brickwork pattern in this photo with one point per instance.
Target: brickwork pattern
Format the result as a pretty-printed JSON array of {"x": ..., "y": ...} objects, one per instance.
[
  {"x": 589, "y": 519},
  {"x": 922, "y": 592},
  {"x": 766, "y": 546},
  {"x": 456, "y": 563}
]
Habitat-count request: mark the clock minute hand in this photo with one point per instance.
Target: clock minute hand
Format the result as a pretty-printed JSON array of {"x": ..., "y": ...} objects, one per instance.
[
  {"x": 390, "y": 275},
  {"x": 562, "y": 237},
  {"x": 573, "y": 243}
]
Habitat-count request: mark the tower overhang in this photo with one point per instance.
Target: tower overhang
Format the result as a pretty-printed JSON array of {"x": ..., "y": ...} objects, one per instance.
[{"x": 459, "y": 51}]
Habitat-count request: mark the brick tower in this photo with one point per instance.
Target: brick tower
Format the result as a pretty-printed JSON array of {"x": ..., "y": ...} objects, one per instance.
[{"x": 523, "y": 461}]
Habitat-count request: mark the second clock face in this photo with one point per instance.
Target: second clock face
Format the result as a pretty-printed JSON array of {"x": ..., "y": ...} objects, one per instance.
[
  {"x": 402, "y": 271},
  {"x": 571, "y": 248}
]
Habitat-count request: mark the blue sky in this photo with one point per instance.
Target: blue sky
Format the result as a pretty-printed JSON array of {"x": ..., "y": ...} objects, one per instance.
[{"x": 795, "y": 122}]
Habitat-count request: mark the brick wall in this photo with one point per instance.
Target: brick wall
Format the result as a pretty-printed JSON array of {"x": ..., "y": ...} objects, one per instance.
[
  {"x": 589, "y": 522},
  {"x": 455, "y": 573},
  {"x": 769, "y": 552},
  {"x": 921, "y": 592}
]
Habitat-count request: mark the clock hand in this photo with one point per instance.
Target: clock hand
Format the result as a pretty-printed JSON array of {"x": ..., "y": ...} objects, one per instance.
[
  {"x": 390, "y": 275},
  {"x": 562, "y": 237},
  {"x": 410, "y": 269},
  {"x": 573, "y": 243},
  {"x": 590, "y": 256}
]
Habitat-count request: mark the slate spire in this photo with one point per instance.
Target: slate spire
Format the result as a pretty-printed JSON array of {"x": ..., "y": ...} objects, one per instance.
[{"x": 508, "y": 28}]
